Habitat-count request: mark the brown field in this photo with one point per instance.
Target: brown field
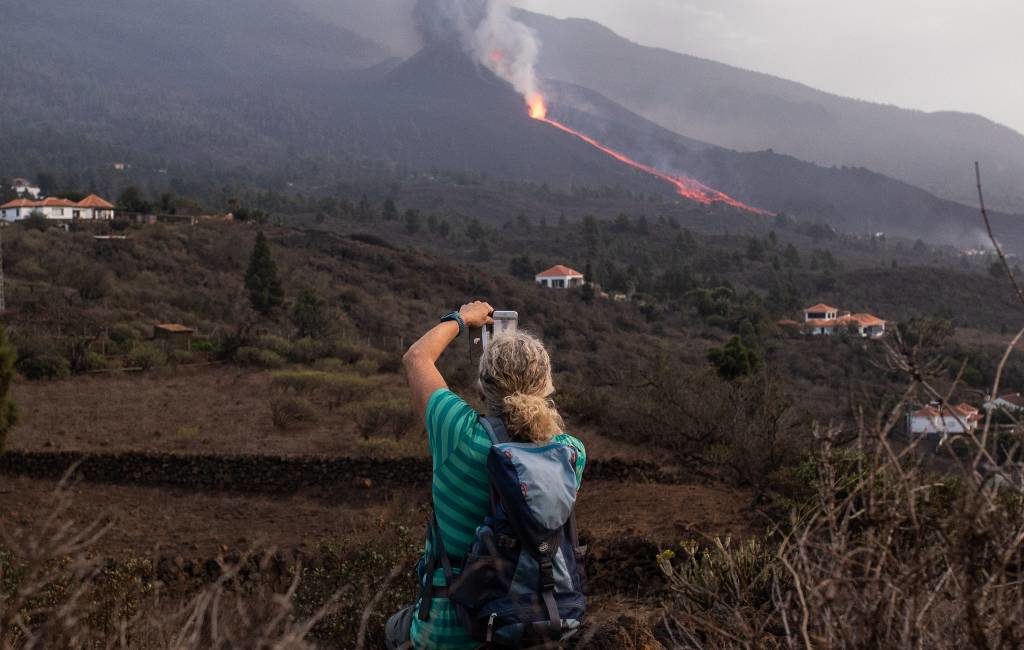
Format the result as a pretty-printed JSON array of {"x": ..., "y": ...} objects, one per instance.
[
  {"x": 205, "y": 410},
  {"x": 160, "y": 521},
  {"x": 224, "y": 410}
]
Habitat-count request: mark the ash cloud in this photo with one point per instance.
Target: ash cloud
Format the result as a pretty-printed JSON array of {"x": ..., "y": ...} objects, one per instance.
[{"x": 487, "y": 32}]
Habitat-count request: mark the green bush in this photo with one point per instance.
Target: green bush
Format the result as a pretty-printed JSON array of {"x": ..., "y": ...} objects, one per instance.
[
  {"x": 257, "y": 358},
  {"x": 181, "y": 357},
  {"x": 289, "y": 410},
  {"x": 367, "y": 367},
  {"x": 307, "y": 350},
  {"x": 331, "y": 389},
  {"x": 203, "y": 346},
  {"x": 146, "y": 356},
  {"x": 393, "y": 417},
  {"x": 123, "y": 333},
  {"x": 330, "y": 364},
  {"x": 95, "y": 361},
  {"x": 280, "y": 346},
  {"x": 46, "y": 365}
]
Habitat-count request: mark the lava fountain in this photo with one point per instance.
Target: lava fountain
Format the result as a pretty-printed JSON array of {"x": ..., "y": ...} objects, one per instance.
[{"x": 687, "y": 188}]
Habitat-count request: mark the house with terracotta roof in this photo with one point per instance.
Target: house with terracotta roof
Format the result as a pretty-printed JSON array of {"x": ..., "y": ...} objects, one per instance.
[
  {"x": 90, "y": 208},
  {"x": 937, "y": 418},
  {"x": 826, "y": 320},
  {"x": 560, "y": 277}
]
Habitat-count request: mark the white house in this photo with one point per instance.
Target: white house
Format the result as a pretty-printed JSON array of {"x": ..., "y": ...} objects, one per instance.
[
  {"x": 25, "y": 187},
  {"x": 822, "y": 319},
  {"x": 941, "y": 419},
  {"x": 1010, "y": 402},
  {"x": 90, "y": 208},
  {"x": 560, "y": 277}
]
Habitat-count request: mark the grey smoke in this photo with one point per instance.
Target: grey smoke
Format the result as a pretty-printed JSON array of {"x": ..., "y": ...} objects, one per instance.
[{"x": 486, "y": 30}]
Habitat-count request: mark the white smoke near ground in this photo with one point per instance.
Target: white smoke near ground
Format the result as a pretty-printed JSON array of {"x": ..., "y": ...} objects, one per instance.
[{"x": 487, "y": 32}]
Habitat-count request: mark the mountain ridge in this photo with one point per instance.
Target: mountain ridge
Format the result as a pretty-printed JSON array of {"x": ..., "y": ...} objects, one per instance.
[{"x": 753, "y": 111}]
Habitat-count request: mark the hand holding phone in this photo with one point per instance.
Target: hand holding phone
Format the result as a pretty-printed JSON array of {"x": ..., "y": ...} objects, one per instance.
[{"x": 503, "y": 322}]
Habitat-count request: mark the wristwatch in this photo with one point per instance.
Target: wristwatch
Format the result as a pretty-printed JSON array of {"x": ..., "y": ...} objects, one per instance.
[{"x": 457, "y": 317}]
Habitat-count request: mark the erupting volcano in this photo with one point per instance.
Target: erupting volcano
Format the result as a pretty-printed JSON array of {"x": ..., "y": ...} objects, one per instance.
[{"x": 687, "y": 188}]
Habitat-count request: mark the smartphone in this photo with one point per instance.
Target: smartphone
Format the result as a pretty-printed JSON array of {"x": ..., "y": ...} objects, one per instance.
[{"x": 504, "y": 322}]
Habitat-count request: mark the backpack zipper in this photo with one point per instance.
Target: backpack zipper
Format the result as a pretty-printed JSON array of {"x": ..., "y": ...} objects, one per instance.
[{"x": 490, "y": 627}]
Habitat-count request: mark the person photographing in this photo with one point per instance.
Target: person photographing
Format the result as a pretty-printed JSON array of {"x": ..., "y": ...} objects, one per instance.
[{"x": 502, "y": 564}]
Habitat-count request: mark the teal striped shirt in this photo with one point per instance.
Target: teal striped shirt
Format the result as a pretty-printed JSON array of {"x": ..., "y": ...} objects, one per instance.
[{"x": 461, "y": 496}]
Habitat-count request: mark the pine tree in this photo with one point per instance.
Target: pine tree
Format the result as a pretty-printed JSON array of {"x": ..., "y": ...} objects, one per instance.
[
  {"x": 8, "y": 412},
  {"x": 261, "y": 279},
  {"x": 390, "y": 211}
]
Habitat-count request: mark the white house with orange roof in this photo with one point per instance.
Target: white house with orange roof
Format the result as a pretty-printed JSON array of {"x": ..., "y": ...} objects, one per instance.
[
  {"x": 90, "y": 208},
  {"x": 944, "y": 418},
  {"x": 560, "y": 277},
  {"x": 826, "y": 320}
]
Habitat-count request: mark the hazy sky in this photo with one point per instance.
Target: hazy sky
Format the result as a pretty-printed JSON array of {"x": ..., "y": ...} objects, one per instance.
[{"x": 925, "y": 54}]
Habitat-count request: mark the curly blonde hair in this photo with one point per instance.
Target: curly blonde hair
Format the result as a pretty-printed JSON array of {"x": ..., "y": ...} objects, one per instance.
[{"x": 515, "y": 378}]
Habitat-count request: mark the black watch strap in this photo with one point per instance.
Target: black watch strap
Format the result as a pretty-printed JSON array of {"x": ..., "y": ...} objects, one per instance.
[{"x": 456, "y": 317}]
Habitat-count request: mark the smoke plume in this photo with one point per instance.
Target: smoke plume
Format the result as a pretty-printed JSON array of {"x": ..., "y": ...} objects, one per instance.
[{"x": 486, "y": 30}]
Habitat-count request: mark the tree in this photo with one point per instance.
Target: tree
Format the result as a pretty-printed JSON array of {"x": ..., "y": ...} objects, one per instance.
[
  {"x": 47, "y": 183},
  {"x": 265, "y": 293},
  {"x": 309, "y": 314},
  {"x": 587, "y": 290},
  {"x": 412, "y": 221},
  {"x": 522, "y": 267},
  {"x": 735, "y": 359},
  {"x": 791, "y": 256},
  {"x": 390, "y": 210},
  {"x": 755, "y": 250},
  {"x": 474, "y": 230},
  {"x": 131, "y": 200},
  {"x": 8, "y": 411},
  {"x": 364, "y": 211}
]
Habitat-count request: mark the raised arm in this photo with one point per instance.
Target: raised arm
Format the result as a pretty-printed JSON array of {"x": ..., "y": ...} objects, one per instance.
[{"x": 421, "y": 359}]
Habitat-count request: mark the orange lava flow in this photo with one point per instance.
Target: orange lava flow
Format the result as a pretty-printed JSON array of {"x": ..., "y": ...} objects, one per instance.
[{"x": 686, "y": 187}]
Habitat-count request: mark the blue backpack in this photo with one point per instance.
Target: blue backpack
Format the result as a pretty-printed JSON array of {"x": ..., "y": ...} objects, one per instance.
[{"x": 522, "y": 583}]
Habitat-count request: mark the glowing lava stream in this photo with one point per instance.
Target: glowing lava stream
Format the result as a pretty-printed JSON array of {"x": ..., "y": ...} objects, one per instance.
[{"x": 686, "y": 187}]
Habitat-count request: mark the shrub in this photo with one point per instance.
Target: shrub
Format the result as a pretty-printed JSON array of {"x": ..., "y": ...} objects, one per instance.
[
  {"x": 95, "y": 361},
  {"x": 393, "y": 417},
  {"x": 289, "y": 410},
  {"x": 330, "y": 364},
  {"x": 181, "y": 357},
  {"x": 366, "y": 367},
  {"x": 204, "y": 346},
  {"x": 146, "y": 356},
  {"x": 310, "y": 314},
  {"x": 332, "y": 389},
  {"x": 307, "y": 350},
  {"x": 257, "y": 358},
  {"x": 123, "y": 333},
  {"x": 276, "y": 344},
  {"x": 47, "y": 365},
  {"x": 8, "y": 411},
  {"x": 721, "y": 574}
]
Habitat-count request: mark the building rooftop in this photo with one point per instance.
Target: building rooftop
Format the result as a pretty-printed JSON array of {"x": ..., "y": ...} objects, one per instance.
[
  {"x": 91, "y": 201},
  {"x": 174, "y": 328},
  {"x": 821, "y": 307},
  {"x": 559, "y": 271}
]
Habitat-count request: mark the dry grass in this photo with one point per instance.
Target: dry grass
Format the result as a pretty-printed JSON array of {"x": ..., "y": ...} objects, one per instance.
[{"x": 57, "y": 594}]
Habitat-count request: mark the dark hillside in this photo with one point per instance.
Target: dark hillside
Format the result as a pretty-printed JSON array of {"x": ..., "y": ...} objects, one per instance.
[{"x": 854, "y": 200}]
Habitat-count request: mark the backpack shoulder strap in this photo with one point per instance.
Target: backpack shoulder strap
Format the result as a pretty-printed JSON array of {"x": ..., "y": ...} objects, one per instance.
[{"x": 495, "y": 428}]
